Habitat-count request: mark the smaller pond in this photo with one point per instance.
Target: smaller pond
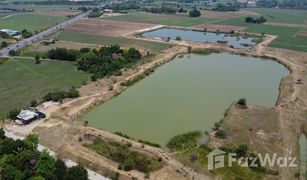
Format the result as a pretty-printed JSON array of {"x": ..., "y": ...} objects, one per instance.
[
  {"x": 238, "y": 42},
  {"x": 303, "y": 156}
]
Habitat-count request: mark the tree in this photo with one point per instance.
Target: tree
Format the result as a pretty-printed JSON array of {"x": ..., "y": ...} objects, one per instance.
[
  {"x": 3, "y": 44},
  {"x": 2, "y": 134},
  {"x": 37, "y": 57},
  {"x": 13, "y": 113},
  {"x": 76, "y": 173},
  {"x": 242, "y": 150},
  {"x": 12, "y": 53},
  {"x": 33, "y": 103},
  {"x": 60, "y": 169},
  {"x": 31, "y": 141},
  {"x": 194, "y": 13},
  {"x": 25, "y": 33},
  {"x": 45, "y": 165}
]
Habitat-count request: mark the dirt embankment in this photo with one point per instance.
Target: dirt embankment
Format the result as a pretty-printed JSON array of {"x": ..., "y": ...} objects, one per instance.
[{"x": 269, "y": 129}]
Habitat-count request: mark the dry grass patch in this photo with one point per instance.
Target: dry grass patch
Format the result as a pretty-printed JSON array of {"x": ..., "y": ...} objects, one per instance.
[
  {"x": 60, "y": 13},
  {"x": 107, "y": 27}
]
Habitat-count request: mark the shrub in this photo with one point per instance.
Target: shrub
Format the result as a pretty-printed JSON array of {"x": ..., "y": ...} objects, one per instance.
[
  {"x": 13, "y": 113},
  {"x": 33, "y": 103},
  {"x": 194, "y": 13},
  {"x": 178, "y": 38},
  {"x": 242, "y": 103}
]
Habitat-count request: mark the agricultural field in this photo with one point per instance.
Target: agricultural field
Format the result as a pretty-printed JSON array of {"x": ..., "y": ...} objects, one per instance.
[
  {"x": 171, "y": 20},
  {"x": 107, "y": 40},
  {"x": 31, "y": 22},
  {"x": 106, "y": 27},
  {"x": 23, "y": 81},
  {"x": 44, "y": 8},
  {"x": 289, "y": 37},
  {"x": 283, "y": 15}
]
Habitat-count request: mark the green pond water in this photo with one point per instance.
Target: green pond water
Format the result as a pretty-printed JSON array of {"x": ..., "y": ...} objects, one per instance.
[{"x": 189, "y": 93}]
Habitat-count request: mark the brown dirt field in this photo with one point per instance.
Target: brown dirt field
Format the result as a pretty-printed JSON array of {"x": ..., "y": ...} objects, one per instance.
[
  {"x": 286, "y": 24},
  {"x": 60, "y": 13},
  {"x": 302, "y": 33},
  {"x": 220, "y": 15},
  {"x": 67, "y": 44},
  {"x": 214, "y": 27},
  {"x": 107, "y": 28}
]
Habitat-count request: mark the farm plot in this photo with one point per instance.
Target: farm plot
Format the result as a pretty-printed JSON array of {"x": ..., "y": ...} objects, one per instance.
[
  {"x": 31, "y": 22},
  {"x": 106, "y": 27},
  {"x": 59, "y": 13},
  {"x": 107, "y": 40},
  {"x": 23, "y": 81},
  {"x": 288, "y": 37},
  {"x": 220, "y": 15},
  {"x": 171, "y": 20}
]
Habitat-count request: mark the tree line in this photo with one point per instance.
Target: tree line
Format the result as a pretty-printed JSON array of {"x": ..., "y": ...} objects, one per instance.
[
  {"x": 20, "y": 160},
  {"x": 255, "y": 20}
]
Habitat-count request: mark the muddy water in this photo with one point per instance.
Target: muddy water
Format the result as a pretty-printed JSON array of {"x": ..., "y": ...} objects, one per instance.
[
  {"x": 197, "y": 36},
  {"x": 189, "y": 93},
  {"x": 303, "y": 157}
]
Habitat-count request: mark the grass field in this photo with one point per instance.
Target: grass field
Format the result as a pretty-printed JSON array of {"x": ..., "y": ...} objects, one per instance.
[
  {"x": 105, "y": 40},
  {"x": 31, "y": 22},
  {"x": 171, "y": 20},
  {"x": 283, "y": 15},
  {"x": 23, "y": 81},
  {"x": 287, "y": 36}
]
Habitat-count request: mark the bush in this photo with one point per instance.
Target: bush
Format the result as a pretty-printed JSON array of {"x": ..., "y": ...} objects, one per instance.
[
  {"x": 242, "y": 103},
  {"x": 59, "y": 95},
  {"x": 33, "y": 103},
  {"x": 178, "y": 38},
  {"x": 183, "y": 141},
  {"x": 13, "y": 113},
  {"x": 194, "y": 13}
]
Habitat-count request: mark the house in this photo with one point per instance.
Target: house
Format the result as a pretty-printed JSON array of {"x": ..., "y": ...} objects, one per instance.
[
  {"x": 9, "y": 32},
  {"x": 27, "y": 116}
]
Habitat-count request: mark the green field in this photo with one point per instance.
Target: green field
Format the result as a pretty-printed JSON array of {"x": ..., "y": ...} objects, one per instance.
[
  {"x": 283, "y": 15},
  {"x": 44, "y": 8},
  {"x": 31, "y": 22},
  {"x": 23, "y": 81},
  {"x": 171, "y": 20},
  {"x": 287, "y": 36},
  {"x": 106, "y": 40}
]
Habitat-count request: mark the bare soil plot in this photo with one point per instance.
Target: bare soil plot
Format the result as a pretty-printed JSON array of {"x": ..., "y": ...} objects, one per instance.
[
  {"x": 107, "y": 28},
  {"x": 286, "y": 24},
  {"x": 220, "y": 15},
  {"x": 302, "y": 33},
  {"x": 224, "y": 28},
  {"x": 60, "y": 13},
  {"x": 60, "y": 44}
]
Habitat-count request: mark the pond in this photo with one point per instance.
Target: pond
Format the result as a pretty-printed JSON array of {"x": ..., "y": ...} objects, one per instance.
[
  {"x": 188, "y": 93},
  {"x": 198, "y": 36},
  {"x": 303, "y": 156}
]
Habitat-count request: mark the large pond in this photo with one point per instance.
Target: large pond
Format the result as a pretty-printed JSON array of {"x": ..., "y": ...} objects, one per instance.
[
  {"x": 197, "y": 36},
  {"x": 189, "y": 93}
]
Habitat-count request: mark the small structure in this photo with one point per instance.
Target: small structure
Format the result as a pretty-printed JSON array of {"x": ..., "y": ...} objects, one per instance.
[
  {"x": 9, "y": 32},
  {"x": 27, "y": 116},
  {"x": 48, "y": 42}
]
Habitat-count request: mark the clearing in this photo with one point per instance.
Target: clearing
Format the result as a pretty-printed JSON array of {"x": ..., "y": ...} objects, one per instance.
[
  {"x": 106, "y": 40},
  {"x": 106, "y": 27},
  {"x": 59, "y": 13},
  {"x": 23, "y": 81},
  {"x": 171, "y": 20}
]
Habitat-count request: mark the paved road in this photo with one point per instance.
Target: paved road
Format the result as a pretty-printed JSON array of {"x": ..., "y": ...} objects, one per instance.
[{"x": 41, "y": 35}]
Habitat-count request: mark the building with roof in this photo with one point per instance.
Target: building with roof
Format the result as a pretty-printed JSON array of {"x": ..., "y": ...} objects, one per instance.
[
  {"x": 9, "y": 32},
  {"x": 27, "y": 116}
]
